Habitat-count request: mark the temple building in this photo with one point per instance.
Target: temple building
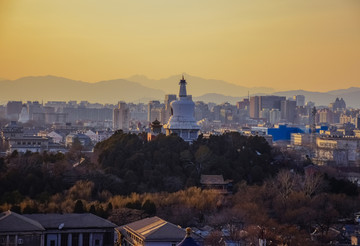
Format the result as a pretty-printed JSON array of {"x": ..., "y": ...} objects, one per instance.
[
  {"x": 182, "y": 121},
  {"x": 155, "y": 130}
]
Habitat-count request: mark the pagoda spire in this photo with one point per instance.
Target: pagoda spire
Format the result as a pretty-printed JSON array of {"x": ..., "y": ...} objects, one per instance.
[{"x": 182, "y": 83}]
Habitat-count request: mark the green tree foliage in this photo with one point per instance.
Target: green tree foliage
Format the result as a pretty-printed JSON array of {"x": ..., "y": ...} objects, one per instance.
[
  {"x": 170, "y": 164},
  {"x": 31, "y": 174}
]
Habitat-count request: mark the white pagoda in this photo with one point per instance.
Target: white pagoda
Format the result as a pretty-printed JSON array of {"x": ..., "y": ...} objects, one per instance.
[{"x": 182, "y": 121}]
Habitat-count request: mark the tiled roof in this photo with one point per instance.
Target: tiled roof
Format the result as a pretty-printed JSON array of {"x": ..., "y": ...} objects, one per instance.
[
  {"x": 212, "y": 179},
  {"x": 155, "y": 229},
  {"x": 13, "y": 222},
  {"x": 86, "y": 220}
]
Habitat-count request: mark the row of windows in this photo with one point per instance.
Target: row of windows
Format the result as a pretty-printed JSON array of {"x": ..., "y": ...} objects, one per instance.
[
  {"x": 135, "y": 238},
  {"x": 28, "y": 143}
]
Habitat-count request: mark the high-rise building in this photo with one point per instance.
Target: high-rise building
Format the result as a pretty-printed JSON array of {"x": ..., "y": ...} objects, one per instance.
[
  {"x": 121, "y": 117},
  {"x": 259, "y": 103},
  {"x": 300, "y": 100},
  {"x": 275, "y": 116},
  {"x": 167, "y": 110},
  {"x": 338, "y": 105},
  {"x": 155, "y": 111},
  {"x": 326, "y": 116},
  {"x": 13, "y": 109},
  {"x": 182, "y": 121},
  {"x": 254, "y": 106},
  {"x": 270, "y": 102},
  {"x": 288, "y": 110}
]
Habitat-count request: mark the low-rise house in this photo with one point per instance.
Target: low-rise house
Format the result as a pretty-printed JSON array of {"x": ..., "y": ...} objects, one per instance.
[
  {"x": 103, "y": 135},
  {"x": 28, "y": 143},
  {"x": 84, "y": 140},
  {"x": 11, "y": 130},
  {"x": 55, "y": 230},
  {"x": 16, "y": 229},
  {"x": 92, "y": 135},
  {"x": 75, "y": 229},
  {"x": 56, "y": 137},
  {"x": 152, "y": 231},
  {"x": 216, "y": 182},
  {"x": 338, "y": 151}
]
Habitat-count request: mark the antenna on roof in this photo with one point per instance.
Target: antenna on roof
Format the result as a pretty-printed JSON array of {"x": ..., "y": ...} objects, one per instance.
[{"x": 61, "y": 226}]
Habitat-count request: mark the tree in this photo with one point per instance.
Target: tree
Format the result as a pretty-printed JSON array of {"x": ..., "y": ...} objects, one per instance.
[
  {"x": 92, "y": 209},
  {"x": 149, "y": 207},
  {"x": 79, "y": 207}
]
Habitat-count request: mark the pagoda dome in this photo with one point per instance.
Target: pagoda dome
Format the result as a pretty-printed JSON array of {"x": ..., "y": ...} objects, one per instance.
[{"x": 182, "y": 121}]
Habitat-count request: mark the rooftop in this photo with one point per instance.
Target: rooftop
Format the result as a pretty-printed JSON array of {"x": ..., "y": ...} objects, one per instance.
[
  {"x": 13, "y": 222},
  {"x": 155, "y": 229},
  {"x": 86, "y": 220}
]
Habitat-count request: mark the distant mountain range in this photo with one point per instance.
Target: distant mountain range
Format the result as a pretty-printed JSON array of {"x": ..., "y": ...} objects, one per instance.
[
  {"x": 139, "y": 88},
  {"x": 51, "y": 88}
]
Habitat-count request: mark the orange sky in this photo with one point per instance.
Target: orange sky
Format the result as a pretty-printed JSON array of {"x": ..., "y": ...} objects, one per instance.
[{"x": 298, "y": 44}]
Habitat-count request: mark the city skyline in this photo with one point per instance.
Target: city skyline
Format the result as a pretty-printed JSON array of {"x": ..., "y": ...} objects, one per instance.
[{"x": 283, "y": 45}]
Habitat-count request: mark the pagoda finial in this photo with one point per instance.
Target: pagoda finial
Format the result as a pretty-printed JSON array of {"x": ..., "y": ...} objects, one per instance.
[{"x": 182, "y": 84}]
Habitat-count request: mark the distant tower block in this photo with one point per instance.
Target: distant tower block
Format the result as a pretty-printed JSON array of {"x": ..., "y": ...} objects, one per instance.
[
  {"x": 182, "y": 121},
  {"x": 121, "y": 117}
]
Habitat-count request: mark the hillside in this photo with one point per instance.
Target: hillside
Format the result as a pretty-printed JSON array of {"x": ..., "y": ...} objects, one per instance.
[{"x": 51, "y": 88}]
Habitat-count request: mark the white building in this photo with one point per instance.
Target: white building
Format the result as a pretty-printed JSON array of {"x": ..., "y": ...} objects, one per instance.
[
  {"x": 24, "y": 114},
  {"x": 121, "y": 117},
  {"x": 28, "y": 143},
  {"x": 182, "y": 121},
  {"x": 56, "y": 137},
  {"x": 338, "y": 151},
  {"x": 300, "y": 100},
  {"x": 274, "y": 116}
]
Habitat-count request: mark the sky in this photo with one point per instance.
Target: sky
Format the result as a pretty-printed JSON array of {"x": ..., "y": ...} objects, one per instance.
[{"x": 297, "y": 44}]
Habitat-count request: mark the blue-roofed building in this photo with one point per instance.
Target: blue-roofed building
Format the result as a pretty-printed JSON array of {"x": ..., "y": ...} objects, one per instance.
[{"x": 283, "y": 132}]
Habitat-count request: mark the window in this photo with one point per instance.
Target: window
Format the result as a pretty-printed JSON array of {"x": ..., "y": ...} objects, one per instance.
[
  {"x": 64, "y": 239},
  {"x": 75, "y": 239},
  {"x": 52, "y": 242},
  {"x": 97, "y": 242},
  {"x": 108, "y": 238},
  {"x": 86, "y": 239}
]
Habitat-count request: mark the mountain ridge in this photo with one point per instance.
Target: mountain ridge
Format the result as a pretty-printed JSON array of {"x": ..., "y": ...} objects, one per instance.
[{"x": 139, "y": 88}]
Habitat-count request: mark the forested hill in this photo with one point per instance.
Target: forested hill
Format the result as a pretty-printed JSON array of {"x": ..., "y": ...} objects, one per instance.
[{"x": 170, "y": 164}]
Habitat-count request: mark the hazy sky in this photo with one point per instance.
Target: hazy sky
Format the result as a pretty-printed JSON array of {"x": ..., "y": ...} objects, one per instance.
[{"x": 288, "y": 44}]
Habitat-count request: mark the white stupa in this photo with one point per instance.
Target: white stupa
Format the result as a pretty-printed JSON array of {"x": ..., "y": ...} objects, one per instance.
[
  {"x": 24, "y": 114},
  {"x": 182, "y": 121}
]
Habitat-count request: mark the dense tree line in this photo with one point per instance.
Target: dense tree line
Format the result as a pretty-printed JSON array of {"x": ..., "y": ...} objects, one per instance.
[
  {"x": 128, "y": 178},
  {"x": 170, "y": 164}
]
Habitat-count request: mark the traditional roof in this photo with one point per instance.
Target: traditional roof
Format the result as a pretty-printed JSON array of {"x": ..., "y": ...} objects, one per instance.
[
  {"x": 188, "y": 240},
  {"x": 155, "y": 229},
  {"x": 86, "y": 220},
  {"x": 13, "y": 222},
  {"x": 212, "y": 179}
]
